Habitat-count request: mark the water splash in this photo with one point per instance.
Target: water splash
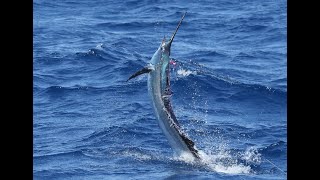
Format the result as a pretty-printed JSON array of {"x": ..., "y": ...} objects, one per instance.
[
  {"x": 183, "y": 72},
  {"x": 222, "y": 162},
  {"x": 251, "y": 155},
  {"x": 137, "y": 155}
]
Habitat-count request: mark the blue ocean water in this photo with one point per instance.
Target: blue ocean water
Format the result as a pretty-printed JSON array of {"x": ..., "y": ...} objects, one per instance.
[{"x": 229, "y": 85}]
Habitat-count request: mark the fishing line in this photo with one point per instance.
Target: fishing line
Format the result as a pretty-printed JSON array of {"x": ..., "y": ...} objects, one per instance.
[{"x": 275, "y": 166}]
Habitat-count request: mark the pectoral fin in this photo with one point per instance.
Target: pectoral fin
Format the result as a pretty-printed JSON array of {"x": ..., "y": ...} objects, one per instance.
[{"x": 142, "y": 71}]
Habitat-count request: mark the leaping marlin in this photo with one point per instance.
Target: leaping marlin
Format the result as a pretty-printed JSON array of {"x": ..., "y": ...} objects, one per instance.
[{"x": 159, "y": 90}]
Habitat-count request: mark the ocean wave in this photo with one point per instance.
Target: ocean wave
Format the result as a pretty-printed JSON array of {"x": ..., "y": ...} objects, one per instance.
[
  {"x": 134, "y": 25},
  {"x": 208, "y": 54},
  {"x": 276, "y": 149},
  {"x": 62, "y": 90},
  {"x": 129, "y": 134},
  {"x": 89, "y": 123},
  {"x": 120, "y": 88},
  {"x": 244, "y": 28},
  {"x": 209, "y": 76},
  {"x": 215, "y": 83},
  {"x": 153, "y": 9},
  {"x": 77, "y": 153}
]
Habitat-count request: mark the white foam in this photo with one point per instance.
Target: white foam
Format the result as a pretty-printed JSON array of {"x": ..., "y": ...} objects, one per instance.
[
  {"x": 99, "y": 46},
  {"x": 137, "y": 155},
  {"x": 223, "y": 162},
  {"x": 233, "y": 169},
  {"x": 185, "y": 157},
  {"x": 251, "y": 155},
  {"x": 184, "y": 72}
]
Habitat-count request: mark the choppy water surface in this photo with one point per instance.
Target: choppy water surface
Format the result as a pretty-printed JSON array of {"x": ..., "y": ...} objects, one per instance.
[{"x": 229, "y": 85}]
